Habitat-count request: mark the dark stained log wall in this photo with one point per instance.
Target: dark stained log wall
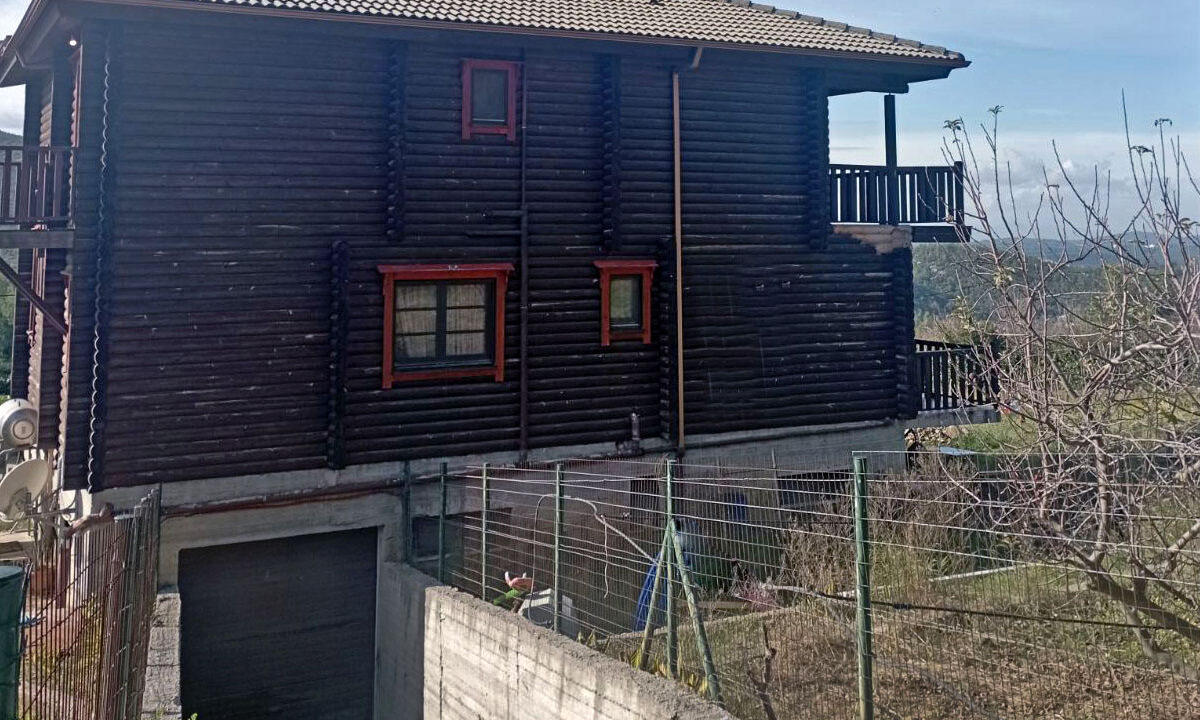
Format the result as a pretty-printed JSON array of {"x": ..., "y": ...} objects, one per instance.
[
  {"x": 239, "y": 161},
  {"x": 784, "y": 326}
]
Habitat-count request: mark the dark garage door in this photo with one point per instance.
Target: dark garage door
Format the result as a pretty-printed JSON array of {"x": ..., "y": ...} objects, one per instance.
[{"x": 279, "y": 629}]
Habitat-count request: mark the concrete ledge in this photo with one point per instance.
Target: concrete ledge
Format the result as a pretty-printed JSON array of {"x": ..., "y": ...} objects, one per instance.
[
  {"x": 884, "y": 238},
  {"x": 484, "y": 662}
]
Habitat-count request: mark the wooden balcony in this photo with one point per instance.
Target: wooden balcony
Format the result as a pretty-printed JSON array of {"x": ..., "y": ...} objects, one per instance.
[
  {"x": 35, "y": 197},
  {"x": 955, "y": 385},
  {"x": 929, "y": 199}
]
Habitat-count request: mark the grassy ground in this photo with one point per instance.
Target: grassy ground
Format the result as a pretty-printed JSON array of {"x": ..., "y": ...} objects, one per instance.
[{"x": 942, "y": 664}]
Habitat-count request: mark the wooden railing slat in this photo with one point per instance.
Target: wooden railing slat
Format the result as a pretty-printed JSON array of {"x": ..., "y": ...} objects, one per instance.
[
  {"x": 35, "y": 189},
  {"x": 952, "y": 376}
]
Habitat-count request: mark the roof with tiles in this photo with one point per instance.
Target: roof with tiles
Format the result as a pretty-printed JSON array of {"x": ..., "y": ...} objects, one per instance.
[{"x": 733, "y": 22}]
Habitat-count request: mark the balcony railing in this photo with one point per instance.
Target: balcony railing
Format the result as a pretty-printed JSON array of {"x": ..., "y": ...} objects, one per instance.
[
  {"x": 35, "y": 187},
  {"x": 859, "y": 194},
  {"x": 952, "y": 377}
]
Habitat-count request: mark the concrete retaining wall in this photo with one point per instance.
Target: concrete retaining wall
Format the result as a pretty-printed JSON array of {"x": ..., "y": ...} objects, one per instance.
[
  {"x": 400, "y": 641},
  {"x": 482, "y": 662}
]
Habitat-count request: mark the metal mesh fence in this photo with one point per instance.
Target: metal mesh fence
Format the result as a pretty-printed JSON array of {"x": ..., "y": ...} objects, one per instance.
[
  {"x": 88, "y": 608},
  {"x": 926, "y": 587}
]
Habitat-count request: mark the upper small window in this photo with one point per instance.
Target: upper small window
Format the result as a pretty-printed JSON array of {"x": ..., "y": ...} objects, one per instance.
[
  {"x": 625, "y": 299},
  {"x": 489, "y": 103},
  {"x": 443, "y": 321}
]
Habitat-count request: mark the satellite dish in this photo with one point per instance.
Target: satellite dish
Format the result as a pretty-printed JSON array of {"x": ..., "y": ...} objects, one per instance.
[{"x": 21, "y": 486}]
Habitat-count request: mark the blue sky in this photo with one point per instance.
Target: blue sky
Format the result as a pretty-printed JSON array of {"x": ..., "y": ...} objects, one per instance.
[{"x": 1057, "y": 66}]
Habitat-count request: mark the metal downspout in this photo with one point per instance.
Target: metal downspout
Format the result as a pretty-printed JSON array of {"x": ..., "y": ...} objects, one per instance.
[{"x": 681, "y": 443}]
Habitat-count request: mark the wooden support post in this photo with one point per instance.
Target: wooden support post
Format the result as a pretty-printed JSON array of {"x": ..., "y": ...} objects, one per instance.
[
  {"x": 34, "y": 299},
  {"x": 893, "y": 175}
]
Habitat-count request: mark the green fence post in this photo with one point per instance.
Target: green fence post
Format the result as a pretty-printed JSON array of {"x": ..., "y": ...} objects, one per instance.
[
  {"x": 556, "y": 596},
  {"x": 862, "y": 562},
  {"x": 648, "y": 631},
  {"x": 442, "y": 528},
  {"x": 685, "y": 578},
  {"x": 669, "y": 571},
  {"x": 483, "y": 532}
]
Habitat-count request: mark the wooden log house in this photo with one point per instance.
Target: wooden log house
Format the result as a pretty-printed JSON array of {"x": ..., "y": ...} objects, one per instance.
[{"x": 283, "y": 253}]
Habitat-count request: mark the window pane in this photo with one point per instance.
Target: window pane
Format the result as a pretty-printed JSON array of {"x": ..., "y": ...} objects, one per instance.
[
  {"x": 416, "y": 296},
  {"x": 466, "y": 320},
  {"x": 466, "y": 344},
  {"x": 625, "y": 301},
  {"x": 409, "y": 322},
  {"x": 467, "y": 295},
  {"x": 489, "y": 96},
  {"x": 410, "y": 348}
]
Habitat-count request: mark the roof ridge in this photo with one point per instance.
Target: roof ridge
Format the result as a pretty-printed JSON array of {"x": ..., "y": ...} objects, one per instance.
[{"x": 815, "y": 20}]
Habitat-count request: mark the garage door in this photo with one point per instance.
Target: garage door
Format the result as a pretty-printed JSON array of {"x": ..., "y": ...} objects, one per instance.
[{"x": 279, "y": 629}]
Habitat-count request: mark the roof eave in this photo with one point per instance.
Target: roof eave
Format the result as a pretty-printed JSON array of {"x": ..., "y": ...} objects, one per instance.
[{"x": 950, "y": 62}]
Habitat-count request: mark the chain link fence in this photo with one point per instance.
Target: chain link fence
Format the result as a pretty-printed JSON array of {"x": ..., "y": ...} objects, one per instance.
[
  {"x": 914, "y": 586},
  {"x": 89, "y": 601}
]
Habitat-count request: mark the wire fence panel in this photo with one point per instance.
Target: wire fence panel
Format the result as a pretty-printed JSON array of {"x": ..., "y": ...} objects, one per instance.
[
  {"x": 1017, "y": 587},
  {"x": 88, "y": 608},
  {"x": 978, "y": 601}
]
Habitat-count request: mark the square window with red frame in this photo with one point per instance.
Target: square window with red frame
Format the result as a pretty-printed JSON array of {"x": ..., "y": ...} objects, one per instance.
[
  {"x": 625, "y": 299},
  {"x": 443, "y": 321},
  {"x": 489, "y": 102}
]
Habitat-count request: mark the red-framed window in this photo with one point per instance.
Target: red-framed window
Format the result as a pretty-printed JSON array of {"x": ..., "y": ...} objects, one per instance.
[
  {"x": 625, "y": 299},
  {"x": 443, "y": 321},
  {"x": 489, "y": 98}
]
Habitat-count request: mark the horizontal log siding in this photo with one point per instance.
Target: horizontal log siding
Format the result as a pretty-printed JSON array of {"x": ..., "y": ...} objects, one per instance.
[
  {"x": 446, "y": 184},
  {"x": 240, "y": 160},
  {"x": 783, "y": 326},
  {"x": 242, "y": 157},
  {"x": 580, "y": 392},
  {"x": 77, "y": 387}
]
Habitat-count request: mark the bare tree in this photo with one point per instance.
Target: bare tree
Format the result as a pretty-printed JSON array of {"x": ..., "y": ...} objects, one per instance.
[{"x": 1102, "y": 381}]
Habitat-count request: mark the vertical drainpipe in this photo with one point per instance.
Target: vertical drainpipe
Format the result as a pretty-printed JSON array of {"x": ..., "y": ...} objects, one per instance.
[
  {"x": 678, "y": 172},
  {"x": 524, "y": 264}
]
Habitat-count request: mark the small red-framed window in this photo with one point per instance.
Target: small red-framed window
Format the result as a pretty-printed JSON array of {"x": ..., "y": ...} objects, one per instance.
[
  {"x": 625, "y": 299},
  {"x": 489, "y": 98},
  {"x": 443, "y": 321}
]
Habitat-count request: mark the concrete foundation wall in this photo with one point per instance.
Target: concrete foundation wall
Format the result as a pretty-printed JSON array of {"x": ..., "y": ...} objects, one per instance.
[
  {"x": 400, "y": 641},
  {"x": 802, "y": 449},
  {"x": 483, "y": 663}
]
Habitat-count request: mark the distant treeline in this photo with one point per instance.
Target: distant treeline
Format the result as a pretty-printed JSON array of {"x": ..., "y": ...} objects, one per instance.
[{"x": 948, "y": 276}]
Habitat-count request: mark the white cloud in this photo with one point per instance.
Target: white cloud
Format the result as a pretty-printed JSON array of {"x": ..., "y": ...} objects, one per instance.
[{"x": 1029, "y": 164}]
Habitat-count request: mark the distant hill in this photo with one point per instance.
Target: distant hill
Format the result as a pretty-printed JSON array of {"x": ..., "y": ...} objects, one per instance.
[{"x": 7, "y": 138}]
